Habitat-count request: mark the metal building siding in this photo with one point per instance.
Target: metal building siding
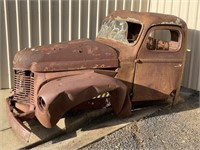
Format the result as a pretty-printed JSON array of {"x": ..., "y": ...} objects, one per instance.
[{"x": 37, "y": 22}]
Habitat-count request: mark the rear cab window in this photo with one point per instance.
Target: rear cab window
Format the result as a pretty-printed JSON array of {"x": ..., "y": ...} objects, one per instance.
[{"x": 164, "y": 40}]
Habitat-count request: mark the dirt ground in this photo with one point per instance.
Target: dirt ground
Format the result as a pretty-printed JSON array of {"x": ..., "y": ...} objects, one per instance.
[{"x": 169, "y": 128}]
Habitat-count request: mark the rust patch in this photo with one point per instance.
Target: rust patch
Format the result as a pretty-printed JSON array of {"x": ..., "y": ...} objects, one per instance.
[{"x": 66, "y": 56}]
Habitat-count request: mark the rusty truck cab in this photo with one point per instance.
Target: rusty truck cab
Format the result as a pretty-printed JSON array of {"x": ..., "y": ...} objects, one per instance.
[
  {"x": 151, "y": 52},
  {"x": 136, "y": 57}
]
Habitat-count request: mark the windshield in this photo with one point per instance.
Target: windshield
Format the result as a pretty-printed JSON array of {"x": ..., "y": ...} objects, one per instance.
[{"x": 115, "y": 30}]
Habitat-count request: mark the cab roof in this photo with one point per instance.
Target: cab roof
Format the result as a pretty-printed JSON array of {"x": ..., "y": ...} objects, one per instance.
[{"x": 147, "y": 19}]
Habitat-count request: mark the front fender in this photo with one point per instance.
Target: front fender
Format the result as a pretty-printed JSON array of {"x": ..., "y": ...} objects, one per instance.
[{"x": 57, "y": 97}]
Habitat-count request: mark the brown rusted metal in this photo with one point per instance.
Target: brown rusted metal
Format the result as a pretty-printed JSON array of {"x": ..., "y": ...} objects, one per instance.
[
  {"x": 69, "y": 92},
  {"x": 17, "y": 125},
  {"x": 150, "y": 74},
  {"x": 128, "y": 62},
  {"x": 65, "y": 56}
]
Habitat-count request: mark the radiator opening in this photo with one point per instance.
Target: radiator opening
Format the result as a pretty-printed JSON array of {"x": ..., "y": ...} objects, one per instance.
[{"x": 24, "y": 86}]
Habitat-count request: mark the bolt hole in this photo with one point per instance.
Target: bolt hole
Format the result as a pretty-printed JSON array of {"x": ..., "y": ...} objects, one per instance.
[{"x": 41, "y": 103}]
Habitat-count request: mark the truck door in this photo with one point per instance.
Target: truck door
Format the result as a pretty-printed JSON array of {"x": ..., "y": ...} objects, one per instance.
[{"x": 159, "y": 64}]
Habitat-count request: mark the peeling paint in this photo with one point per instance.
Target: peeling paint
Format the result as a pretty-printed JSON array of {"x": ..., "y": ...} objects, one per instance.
[
  {"x": 177, "y": 22},
  {"x": 133, "y": 20},
  {"x": 127, "y": 19}
]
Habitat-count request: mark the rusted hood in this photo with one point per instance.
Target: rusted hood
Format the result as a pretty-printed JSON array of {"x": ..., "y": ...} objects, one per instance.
[{"x": 73, "y": 55}]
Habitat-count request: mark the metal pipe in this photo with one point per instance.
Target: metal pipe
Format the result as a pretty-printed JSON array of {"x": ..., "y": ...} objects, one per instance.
[
  {"x": 18, "y": 25},
  {"x": 97, "y": 17},
  {"x": 148, "y": 5},
  {"x": 60, "y": 21},
  {"x": 164, "y": 4},
  {"x": 140, "y": 5},
  {"x": 187, "y": 17},
  {"x": 188, "y": 9},
  {"x": 157, "y": 5},
  {"x": 131, "y": 5},
  {"x": 7, "y": 42},
  {"x": 171, "y": 7},
  {"x": 195, "y": 34},
  {"x": 40, "y": 22},
  {"x": 50, "y": 23},
  {"x": 88, "y": 21},
  {"x": 79, "y": 20},
  {"x": 70, "y": 20},
  {"x": 124, "y": 4},
  {"x": 29, "y": 23},
  {"x": 179, "y": 8},
  {"x": 191, "y": 64},
  {"x": 107, "y": 7},
  {"x": 115, "y": 4}
]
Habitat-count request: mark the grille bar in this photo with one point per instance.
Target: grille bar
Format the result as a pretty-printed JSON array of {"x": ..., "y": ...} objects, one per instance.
[{"x": 24, "y": 86}]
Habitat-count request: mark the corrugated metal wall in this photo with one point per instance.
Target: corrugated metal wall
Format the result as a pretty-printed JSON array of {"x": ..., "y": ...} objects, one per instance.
[{"x": 37, "y": 22}]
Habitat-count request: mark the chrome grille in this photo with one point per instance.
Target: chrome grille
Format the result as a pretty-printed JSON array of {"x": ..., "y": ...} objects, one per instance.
[{"x": 23, "y": 86}]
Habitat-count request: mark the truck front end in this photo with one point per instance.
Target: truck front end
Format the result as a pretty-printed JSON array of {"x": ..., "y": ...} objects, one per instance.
[{"x": 53, "y": 79}]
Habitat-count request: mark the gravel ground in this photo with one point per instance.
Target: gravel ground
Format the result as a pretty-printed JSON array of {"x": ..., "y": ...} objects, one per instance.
[{"x": 169, "y": 128}]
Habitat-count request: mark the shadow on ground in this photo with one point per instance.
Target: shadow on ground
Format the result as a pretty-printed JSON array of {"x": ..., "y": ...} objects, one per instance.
[{"x": 189, "y": 100}]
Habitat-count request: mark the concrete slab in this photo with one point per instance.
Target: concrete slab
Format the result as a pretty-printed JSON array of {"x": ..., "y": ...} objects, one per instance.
[
  {"x": 3, "y": 116},
  {"x": 88, "y": 135},
  {"x": 10, "y": 141},
  {"x": 82, "y": 137}
]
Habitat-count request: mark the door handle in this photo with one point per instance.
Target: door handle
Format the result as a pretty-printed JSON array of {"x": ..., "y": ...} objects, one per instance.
[
  {"x": 158, "y": 61},
  {"x": 138, "y": 61},
  {"x": 178, "y": 66}
]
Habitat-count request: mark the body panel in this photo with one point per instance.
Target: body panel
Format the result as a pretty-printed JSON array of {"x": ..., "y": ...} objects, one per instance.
[
  {"x": 69, "y": 92},
  {"x": 73, "y": 55},
  {"x": 158, "y": 72}
]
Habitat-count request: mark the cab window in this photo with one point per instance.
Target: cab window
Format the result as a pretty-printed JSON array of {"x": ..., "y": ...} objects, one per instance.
[
  {"x": 163, "y": 40},
  {"x": 120, "y": 30},
  {"x": 133, "y": 31}
]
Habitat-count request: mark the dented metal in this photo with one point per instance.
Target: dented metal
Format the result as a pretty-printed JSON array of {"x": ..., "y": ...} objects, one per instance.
[
  {"x": 72, "y": 55},
  {"x": 126, "y": 64}
]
